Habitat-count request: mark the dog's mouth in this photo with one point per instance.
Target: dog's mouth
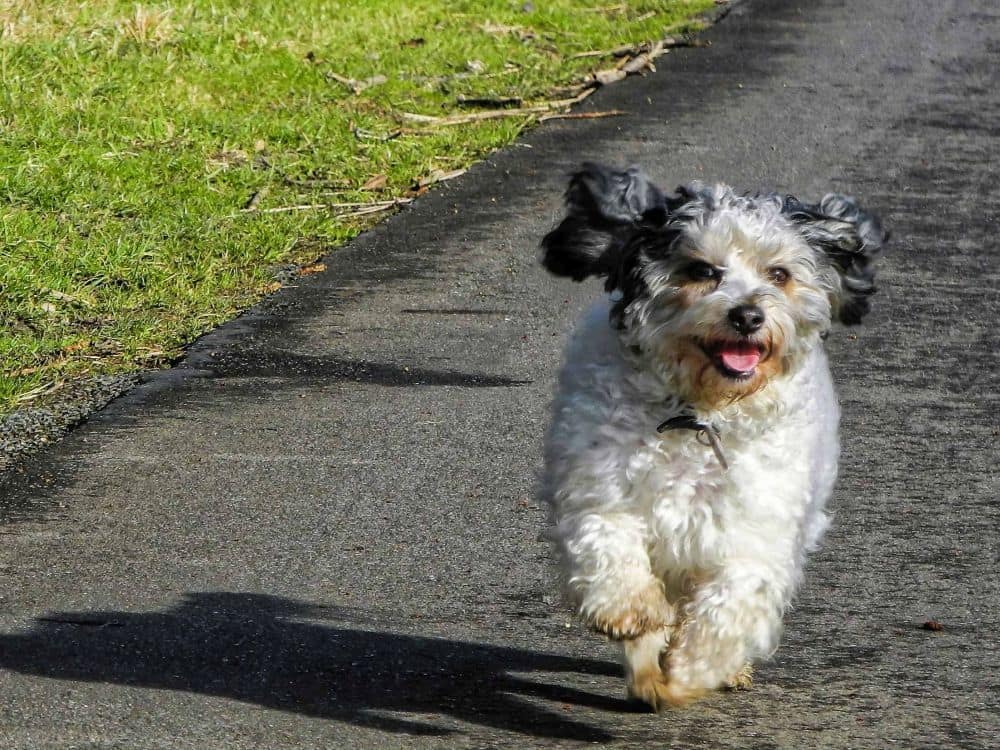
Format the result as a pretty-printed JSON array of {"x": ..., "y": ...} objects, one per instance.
[{"x": 736, "y": 359}]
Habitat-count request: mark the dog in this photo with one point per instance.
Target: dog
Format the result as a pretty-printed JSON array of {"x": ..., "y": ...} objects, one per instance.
[{"x": 693, "y": 439}]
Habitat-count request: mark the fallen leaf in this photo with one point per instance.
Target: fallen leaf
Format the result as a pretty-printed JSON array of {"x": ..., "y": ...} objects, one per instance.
[
  {"x": 311, "y": 269},
  {"x": 605, "y": 77},
  {"x": 377, "y": 182}
]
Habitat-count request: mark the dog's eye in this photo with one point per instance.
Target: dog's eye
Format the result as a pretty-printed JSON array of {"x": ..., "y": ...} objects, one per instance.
[
  {"x": 699, "y": 271},
  {"x": 778, "y": 275}
]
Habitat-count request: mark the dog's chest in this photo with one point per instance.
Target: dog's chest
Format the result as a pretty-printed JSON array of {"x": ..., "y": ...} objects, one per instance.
[{"x": 698, "y": 511}]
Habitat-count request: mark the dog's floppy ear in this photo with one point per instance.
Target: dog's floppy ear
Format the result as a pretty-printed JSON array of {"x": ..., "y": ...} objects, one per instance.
[
  {"x": 851, "y": 239},
  {"x": 604, "y": 206}
]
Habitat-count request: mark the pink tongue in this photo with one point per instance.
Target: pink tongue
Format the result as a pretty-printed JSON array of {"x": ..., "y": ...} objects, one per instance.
[{"x": 739, "y": 357}]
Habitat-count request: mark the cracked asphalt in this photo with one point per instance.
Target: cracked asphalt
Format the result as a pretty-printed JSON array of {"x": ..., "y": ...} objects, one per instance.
[{"x": 320, "y": 529}]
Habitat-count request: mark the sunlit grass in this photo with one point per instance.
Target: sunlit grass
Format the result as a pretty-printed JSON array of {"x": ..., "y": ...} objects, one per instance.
[{"x": 131, "y": 136}]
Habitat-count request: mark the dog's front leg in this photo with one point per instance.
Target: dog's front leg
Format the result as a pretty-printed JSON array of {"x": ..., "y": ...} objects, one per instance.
[
  {"x": 607, "y": 575},
  {"x": 730, "y": 621}
]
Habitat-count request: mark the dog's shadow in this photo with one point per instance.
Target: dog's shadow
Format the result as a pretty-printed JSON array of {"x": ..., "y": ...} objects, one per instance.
[{"x": 271, "y": 651}]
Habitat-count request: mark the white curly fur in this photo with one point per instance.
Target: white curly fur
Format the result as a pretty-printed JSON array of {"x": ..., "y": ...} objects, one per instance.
[{"x": 690, "y": 564}]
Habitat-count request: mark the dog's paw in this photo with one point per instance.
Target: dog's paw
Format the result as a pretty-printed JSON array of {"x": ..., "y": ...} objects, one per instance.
[
  {"x": 660, "y": 692},
  {"x": 742, "y": 680},
  {"x": 646, "y": 664}
]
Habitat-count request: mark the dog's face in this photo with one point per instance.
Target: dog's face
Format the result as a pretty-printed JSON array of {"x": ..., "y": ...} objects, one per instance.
[
  {"x": 719, "y": 292},
  {"x": 724, "y": 300}
]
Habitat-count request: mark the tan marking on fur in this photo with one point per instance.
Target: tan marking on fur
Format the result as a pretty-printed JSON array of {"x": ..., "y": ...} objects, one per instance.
[
  {"x": 689, "y": 292},
  {"x": 772, "y": 367},
  {"x": 713, "y": 389},
  {"x": 742, "y": 680},
  {"x": 681, "y": 585},
  {"x": 704, "y": 386},
  {"x": 649, "y": 686},
  {"x": 678, "y": 696},
  {"x": 648, "y": 610},
  {"x": 656, "y": 689},
  {"x": 790, "y": 287},
  {"x": 654, "y": 686}
]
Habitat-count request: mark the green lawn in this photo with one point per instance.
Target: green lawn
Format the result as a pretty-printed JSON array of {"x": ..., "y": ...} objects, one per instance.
[{"x": 132, "y": 138}]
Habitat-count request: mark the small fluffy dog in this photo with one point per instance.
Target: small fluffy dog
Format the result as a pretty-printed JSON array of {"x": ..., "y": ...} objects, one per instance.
[{"x": 693, "y": 441}]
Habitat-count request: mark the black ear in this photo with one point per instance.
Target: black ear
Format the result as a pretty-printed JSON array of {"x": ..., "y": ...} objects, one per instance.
[
  {"x": 851, "y": 239},
  {"x": 604, "y": 206}
]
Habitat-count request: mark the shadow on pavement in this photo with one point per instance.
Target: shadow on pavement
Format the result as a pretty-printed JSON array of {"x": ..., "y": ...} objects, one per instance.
[
  {"x": 270, "y": 651},
  {"x": 292, "y": 366}
]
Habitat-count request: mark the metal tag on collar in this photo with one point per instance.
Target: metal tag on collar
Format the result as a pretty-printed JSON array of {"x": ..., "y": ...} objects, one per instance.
[{"x": 706, "y": 433}]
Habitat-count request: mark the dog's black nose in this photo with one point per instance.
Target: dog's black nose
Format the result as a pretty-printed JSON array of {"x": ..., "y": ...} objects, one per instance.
[{"x": 746, "y": 318}]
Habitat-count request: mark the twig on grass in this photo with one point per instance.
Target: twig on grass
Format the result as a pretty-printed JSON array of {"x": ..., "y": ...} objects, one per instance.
[
  {"x": 37, "y": 392},
  {"x": 369, "y": 135},
  {"x": 498, "y": 29},
  {"x": 254, "y": 200},
  {"x": 629, "y": 65},
  {"x": 632, "y": 50},
  {"x": 354, "y": 84},
  {"x": 644, "y": 61},
  {"x": 621, "y": 51},
  {"x": 438, "y": 175},
  {"x": 352, "y": 209},
  {"x": 496, "y": 114},
  {"x": 582, "y": 115},
  {"x": 318, "y": 182},
  {"x": 619, "y": 8},
  {"x": 492, "y": 114}
]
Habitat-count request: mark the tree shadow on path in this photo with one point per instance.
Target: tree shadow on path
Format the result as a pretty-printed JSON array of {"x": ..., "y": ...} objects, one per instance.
[{"x": 259, "y": 649}]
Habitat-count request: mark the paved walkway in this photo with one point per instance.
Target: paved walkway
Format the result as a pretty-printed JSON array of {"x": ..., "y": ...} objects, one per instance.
[{"x": 319, "y": 531}]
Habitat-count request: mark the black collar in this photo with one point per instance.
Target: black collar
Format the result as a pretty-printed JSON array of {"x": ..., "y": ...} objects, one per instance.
[{"x": 705, "y": 432}]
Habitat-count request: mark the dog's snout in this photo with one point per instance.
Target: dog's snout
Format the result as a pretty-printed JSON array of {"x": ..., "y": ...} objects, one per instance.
[{"x": 746, "y": 318}]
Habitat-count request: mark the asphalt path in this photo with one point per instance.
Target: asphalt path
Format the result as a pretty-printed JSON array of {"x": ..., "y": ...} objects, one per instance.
[{"x": 320, "y": 530}]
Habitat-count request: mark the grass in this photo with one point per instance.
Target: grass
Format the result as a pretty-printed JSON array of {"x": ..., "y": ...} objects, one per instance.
[{"x": 131, "y": 136}]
